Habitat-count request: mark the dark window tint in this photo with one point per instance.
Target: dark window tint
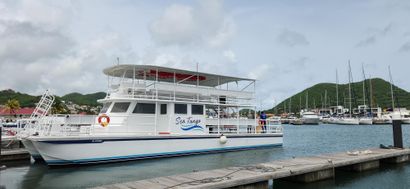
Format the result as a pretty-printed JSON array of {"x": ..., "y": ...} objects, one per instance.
[
  {"x": 197, "y": 109},
  {"x": 180, "y": 108},
  {"x": 144, "y": 108},
  {"x": 120, "y": 107},
  {"x": 105, "y": 107},
  {"x": 163, "y": 108}
]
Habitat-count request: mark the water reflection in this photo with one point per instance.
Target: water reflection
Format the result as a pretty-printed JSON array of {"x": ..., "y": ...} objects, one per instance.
[{"x": 298, "y": 141}]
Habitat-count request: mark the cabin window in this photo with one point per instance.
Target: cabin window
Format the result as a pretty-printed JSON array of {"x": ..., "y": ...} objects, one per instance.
[
  {"x": 144, "y": 108},
  {"x": 120, "y": 107},
  {"x": 105, "y": 107},
  {"x": 197, "y": 109},
  {"x": 181, "y": 109},
  {"x": 163, "y": 108}
]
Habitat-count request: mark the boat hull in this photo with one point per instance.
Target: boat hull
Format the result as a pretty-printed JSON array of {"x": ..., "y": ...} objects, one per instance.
[
  {"x": 29, "y": 146},
  {"x": 381, "y": 121},
  {"x": 99, "y": 150},
  {"x": 347, "y": 121},
  {"x": 365, "y": 121},
  {"x": 405, "y": 120},
  {"x": 310, "y": 121}
]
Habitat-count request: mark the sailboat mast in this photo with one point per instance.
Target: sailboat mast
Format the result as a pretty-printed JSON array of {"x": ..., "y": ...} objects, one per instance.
[
  {"x": 391, "y": 89},
  {"x": 290, "y": 105},
  {"x": 350, "y": 93},
  {"x": 364, "y": 78},
  {"x": 307, "y": 101},
  {"x": 325, "y": 98},
  {"x": 371, "y": 97},
  {"x": 337, "y": 90}
]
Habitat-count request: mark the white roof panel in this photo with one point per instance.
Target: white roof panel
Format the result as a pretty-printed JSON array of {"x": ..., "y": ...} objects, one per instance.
[{"x": 166, "y": 74}]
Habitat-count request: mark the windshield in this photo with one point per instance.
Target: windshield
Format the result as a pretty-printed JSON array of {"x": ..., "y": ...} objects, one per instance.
[{"x": 105, "y": 107}]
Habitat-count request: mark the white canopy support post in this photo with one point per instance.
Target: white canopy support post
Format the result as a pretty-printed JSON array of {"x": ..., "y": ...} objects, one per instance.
[
  {"x": 156, "y": 117},
  {"x": 219, "y": 120},
  {"x": 156, "y": 87},
  {"x": 219, "y": 111},
  {"x": 145, "y": 83},
  {"x": 237, "y": 118},
  {"x": 197, "y": 81},
  {"x": 175, "y": 85},
  {"x": 254, "y": 115},
  {"x": 133, "y": 83},
  {"x": 254, "y": 108}
]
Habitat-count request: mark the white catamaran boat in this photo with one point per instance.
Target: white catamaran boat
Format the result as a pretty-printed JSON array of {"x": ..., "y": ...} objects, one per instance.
[{"x": 154, "y": 112}]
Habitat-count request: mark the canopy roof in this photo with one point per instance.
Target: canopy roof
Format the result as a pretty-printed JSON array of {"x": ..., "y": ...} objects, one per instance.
[{"x": 165, "y": 74}]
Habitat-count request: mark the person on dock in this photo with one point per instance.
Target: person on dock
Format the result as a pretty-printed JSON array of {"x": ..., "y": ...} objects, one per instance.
[{"x": 262, "y": 118}]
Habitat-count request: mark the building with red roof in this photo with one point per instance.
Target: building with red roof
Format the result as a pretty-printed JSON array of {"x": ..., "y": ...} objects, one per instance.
[{"x": 22, "y": 112}]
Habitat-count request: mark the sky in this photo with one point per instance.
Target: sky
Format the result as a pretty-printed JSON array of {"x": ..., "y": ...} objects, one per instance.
[{"x": 286, "y": 45}]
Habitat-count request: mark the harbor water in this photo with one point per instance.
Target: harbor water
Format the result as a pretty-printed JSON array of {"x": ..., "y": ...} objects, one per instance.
[{"x": 298, "y": 141}]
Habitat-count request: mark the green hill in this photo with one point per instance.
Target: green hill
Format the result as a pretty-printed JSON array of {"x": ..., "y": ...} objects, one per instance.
[
  {"x": 380, "y": 96},
  {"x": 24, "y": 99},
  {"x": 87, "y": 99},
  {"x": 27, "y": 100}
]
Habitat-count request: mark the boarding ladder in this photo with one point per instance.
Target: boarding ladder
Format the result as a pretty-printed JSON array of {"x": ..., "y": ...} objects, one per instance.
[
  {"x": 37, "y": 121},
  {"x": 43, "y": 106}
]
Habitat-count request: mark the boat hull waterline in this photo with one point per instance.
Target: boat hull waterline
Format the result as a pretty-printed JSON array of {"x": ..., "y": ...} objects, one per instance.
[{"x": 99, "y": 150}]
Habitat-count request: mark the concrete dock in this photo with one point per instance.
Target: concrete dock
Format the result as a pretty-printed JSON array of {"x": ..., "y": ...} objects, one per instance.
[
  {"x": 12, "y": 149},
  {"x": 299, "y": 169},
  {"x": 14, "y": 155}
]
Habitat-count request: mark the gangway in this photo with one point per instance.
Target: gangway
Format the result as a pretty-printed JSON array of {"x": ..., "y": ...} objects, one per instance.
[{"x": 43, "y": 106}]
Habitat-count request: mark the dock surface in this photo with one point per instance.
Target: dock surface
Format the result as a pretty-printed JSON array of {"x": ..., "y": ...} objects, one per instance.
[
  {"x": 14, "y": 154},
  {"x": 303, "y": 169}
]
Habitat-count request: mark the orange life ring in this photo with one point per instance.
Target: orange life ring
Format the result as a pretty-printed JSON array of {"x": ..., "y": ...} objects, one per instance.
[{"x": 103, "y": 120}]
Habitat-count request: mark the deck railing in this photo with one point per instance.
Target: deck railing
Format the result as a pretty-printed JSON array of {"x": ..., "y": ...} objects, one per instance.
[
  {"x": 170, "y": 93},
  {"x": 81, "y": 125}
]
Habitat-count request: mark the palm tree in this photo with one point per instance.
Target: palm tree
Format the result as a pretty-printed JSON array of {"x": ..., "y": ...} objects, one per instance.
[{"x": 12, "y": 105}]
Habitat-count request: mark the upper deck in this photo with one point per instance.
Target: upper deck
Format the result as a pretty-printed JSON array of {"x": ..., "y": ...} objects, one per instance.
[
  {"x": 170, "y": 75},
  {"x": 147, "y": 82}
]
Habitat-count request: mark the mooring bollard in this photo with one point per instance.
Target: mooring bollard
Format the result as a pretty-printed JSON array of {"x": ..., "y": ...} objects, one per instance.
[{"x": 397, "y": 132}]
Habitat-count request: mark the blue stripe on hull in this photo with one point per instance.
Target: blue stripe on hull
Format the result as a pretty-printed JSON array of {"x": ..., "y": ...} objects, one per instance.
[
  {"x": 101, "y": 140},
  {"x": 155, "y": 155}
]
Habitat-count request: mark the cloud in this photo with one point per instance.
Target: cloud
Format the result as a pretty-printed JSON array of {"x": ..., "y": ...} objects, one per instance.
[
  {"x": 37, "y": 52},
  {"x": 262, "y": 72},
  {"x": 230, "y": 56},
  {"x": 79, "y": 71},
  {"x": 366, "y": 42},
  {"x": 375, "y": 33},
  {"x": 300, "y": 62},
  {"x": 202, "y": 25},
  {"x": 24, "y": 41},
  {"x": 292, "y": 38},
  {"x": 405, "y": 47}
]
